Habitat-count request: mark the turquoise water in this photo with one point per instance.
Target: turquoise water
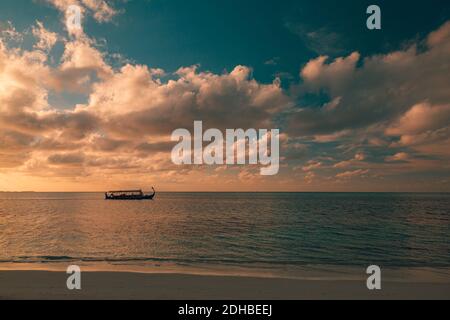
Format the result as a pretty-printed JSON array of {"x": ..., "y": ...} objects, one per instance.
[{"x": 274, "y": 230}]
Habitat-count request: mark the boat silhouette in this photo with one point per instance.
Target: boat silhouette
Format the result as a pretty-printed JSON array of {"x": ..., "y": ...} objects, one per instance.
[{"x": 129, "y": 195}]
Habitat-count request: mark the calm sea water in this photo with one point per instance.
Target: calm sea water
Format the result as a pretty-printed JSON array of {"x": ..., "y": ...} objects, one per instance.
[{"x": 274, "y": 230}]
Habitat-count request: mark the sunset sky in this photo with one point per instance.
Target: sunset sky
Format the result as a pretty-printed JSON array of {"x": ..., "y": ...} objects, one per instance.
[{"x": 93, "y": 109}]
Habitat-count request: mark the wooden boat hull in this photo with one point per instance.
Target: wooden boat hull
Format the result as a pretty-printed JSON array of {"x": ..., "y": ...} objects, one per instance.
[
  {"x": 150, "y": 197},
  {"x": 129, "y": 195}
]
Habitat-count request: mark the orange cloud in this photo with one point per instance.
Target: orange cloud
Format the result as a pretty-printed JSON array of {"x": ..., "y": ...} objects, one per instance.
[{"x": 121, "y": 133}]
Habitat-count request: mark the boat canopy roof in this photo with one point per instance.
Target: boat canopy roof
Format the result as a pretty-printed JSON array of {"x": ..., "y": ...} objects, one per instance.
[{"x": 126, "y": 191}]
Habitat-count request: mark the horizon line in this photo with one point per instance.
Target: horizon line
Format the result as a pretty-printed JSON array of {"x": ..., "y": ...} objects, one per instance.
[{"x": 30, "y": 191}]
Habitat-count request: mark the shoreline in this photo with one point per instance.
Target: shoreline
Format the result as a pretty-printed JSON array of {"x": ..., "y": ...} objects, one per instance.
[
  {"x": 48, "y": 281},
  {"x": 99, "y": 285},
  {"x": 306, "y": 272}
]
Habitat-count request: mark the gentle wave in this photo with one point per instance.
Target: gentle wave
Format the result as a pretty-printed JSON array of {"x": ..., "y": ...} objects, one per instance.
[{"x": 288, "y": 229}]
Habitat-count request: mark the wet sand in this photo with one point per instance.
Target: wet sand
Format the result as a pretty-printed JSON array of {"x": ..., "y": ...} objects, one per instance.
[{"x": 130, "y": 285}]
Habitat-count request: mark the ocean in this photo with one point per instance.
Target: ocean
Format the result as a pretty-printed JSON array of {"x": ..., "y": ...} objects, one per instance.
[{"x": 271, "y": 233}]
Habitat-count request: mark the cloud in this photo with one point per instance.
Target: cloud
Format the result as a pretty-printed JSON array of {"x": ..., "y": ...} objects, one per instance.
[
  {"x": 130, "y": 112},
  {"x": 385, "y": 114},
  {"x": 133, "y": 102},
  {"x": 46, "y": 39},
  {"x": 67, "y": 159},
  {"x": 352, "y": 174},
  {"x": 360, "y": 156},
  {"x": 309, "y": 177},
  {"x": 81, "y": 55},
  {"x": 352, "y": 162},
  {"x": 421, "y": 118},
  {"x": 401, "y": 156},
  {"x": 75, "y": 11},
  {"x": 100, "y": 9},
  {"x": 320, "y": 41},
  {"x": 440, "y": 36},
  {"x": 9, "y": 33},
  {"x": 311, "y": 165},
  {"x": 373, "y": 91},
  {"x": 317, "y": 74},
  {"x": 28, "y": 123},
  {"x": 424, "y": 128}
]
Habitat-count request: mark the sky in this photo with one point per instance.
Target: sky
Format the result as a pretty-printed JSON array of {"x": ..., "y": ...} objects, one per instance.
[{"x": 93, "y": 109}]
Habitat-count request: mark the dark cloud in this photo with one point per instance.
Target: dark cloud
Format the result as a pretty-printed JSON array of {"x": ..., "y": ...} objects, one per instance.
[{"x": 67, "y": 159}]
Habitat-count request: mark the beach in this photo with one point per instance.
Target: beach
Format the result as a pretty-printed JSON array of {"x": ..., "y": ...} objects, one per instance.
[{"x": 130, "y": 285}]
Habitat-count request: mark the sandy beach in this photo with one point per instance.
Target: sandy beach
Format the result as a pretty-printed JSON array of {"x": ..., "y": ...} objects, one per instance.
[{"x": 129, "y": 285}]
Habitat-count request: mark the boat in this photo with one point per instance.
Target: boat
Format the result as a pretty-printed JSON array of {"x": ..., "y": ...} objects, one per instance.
[{"x": 129, "y": 195}]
